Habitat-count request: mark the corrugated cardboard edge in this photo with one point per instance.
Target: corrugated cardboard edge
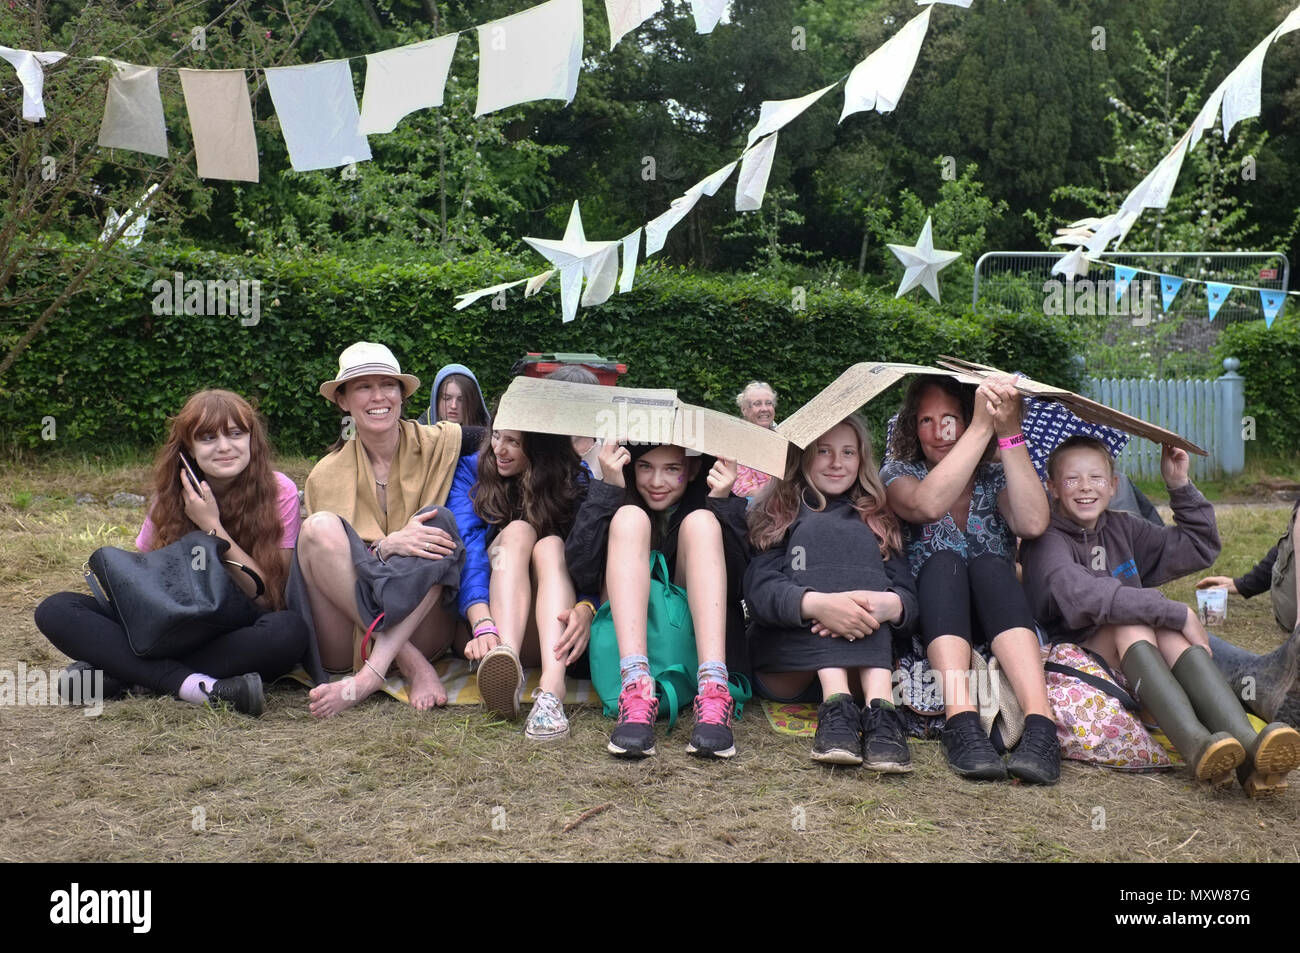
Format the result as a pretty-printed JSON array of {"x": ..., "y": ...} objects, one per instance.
[
  {"x": 637, "y": 415},
  {"x": 847, "y": 394},
  {"x": 1085, "y": 407}
]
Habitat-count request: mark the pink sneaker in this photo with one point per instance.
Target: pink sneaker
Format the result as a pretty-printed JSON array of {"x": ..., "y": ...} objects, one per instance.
[
  {"x": 711, "y": 737},
  {"x": 634, "y": 734}
]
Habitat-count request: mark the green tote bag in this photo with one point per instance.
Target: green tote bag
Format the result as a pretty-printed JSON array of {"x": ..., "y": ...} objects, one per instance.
[{"x": 670, "y": 646}]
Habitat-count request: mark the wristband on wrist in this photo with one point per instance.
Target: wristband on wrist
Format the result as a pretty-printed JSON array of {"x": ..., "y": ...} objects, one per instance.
[
  {"x": 488, "y": 629},
  {"x": 1015, "y": 440}
]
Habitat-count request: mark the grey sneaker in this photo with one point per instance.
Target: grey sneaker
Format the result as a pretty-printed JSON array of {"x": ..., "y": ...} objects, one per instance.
[{"x": 546, "y": 722}]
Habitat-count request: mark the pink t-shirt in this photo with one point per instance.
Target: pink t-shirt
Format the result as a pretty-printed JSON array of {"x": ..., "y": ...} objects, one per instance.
[{"x": 290, "y": 517}]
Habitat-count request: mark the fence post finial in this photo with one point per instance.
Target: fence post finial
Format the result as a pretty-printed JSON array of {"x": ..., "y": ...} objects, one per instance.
[{"x": 1232, "y": 405}]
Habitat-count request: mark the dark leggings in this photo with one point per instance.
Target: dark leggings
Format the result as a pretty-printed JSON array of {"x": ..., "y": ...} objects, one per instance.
[
  {"x": 976, "y": 600},
  {"x": 80, "y": 629}
]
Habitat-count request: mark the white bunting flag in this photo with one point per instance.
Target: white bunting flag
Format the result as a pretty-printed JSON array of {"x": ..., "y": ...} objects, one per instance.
[
  {"x": 1205, "y": 118},
  {"x": 317, "y": 109},
  {"x": 531, "y": 55},
  {"x": 133, "y": 112},
  {"x": 602, "y": 275},
  {"x": 773, "y": 114},
  {"x": 1241, "y": 88},
  {"x": 626, "y": 15},
  {"x": 879, "y": 80},
  {"x": 463, "y": 301},
  {"x": 707, "y": 14},
  {"x": 31, "y": 73},
  {"x": 755, "y": 168},
  {"x": 631, "y": 248},
  {"x": 403, "y": 80},
  {"x": 221, "y": 119},
  {"x": 536, "y": 281}
]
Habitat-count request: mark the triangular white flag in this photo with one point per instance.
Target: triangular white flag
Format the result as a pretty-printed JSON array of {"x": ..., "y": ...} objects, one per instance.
[
  {"x": 1154, "y": 190},
  {"x": 602, "y": 275},
  {"x": 570, "y": 291},
  {"x": 1205, "y": 118},
  {"x": 879, "y": 80},
  {"x": 707, "y": 14},
  {"x": 775, "y": 113},
  {"x": 1292, "y": 22},
  {"x": 626, "y": 15},
  {"x": 463, "y": 301},
  {"x": 31, "y": 74},
  {"x": 1241, "y": 88},
  {"x": 631, "y": 248},
  {"x": 657, "y": 229},
  {"x": 403, "y": 80},
  {"x": 531, "y": 55},
  {"x": 755, "y": 168},
  {"x": 536, "y": 281}
]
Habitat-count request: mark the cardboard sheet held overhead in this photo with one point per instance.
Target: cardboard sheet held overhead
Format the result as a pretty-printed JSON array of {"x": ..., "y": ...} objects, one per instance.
[
  {"x": 1089, "y": 410},
  {"x": 637, "y": 415},
  {"x": 847, "y": 394}
]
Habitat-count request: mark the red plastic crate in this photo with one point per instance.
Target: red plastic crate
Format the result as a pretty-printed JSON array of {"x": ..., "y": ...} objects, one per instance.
[{"x": 537, "y": 364}]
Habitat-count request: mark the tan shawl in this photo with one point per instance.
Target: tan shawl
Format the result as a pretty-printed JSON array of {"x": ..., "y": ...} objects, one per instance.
[{"x": 420, "y": 475}]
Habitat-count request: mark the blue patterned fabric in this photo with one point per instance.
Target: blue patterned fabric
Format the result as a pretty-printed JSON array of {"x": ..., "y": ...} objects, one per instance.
[
  {"x": 1047, "y": 424},
  {"x": 986, "y": 530}
]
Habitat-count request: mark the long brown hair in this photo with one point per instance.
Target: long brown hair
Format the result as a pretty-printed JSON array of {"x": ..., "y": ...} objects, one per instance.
[
  {"x": 545, "y": 494},
  {"x": 777, "y": 505},
  {"x": 471, "y": 396},
  {"x": 250, "y": 510}
]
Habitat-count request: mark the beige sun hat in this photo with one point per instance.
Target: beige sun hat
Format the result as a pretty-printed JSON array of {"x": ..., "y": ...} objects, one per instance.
[{"x": 363, "y": 359}]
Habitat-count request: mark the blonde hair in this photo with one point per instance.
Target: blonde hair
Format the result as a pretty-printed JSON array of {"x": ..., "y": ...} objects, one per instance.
[{"x": 777, "y": 505}]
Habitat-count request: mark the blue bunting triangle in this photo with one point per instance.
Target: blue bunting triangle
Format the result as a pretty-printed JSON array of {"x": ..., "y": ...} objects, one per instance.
[
  {"x": 1271, "y": 302},
  {"x": 1123, "y": 275},
  {"x": 1215, "y": 294},
  {"x": 1169, "y": 285}
]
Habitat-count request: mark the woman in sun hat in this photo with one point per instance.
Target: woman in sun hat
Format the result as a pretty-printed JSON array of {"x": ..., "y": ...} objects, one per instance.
[{"x": 392, "y": 543}]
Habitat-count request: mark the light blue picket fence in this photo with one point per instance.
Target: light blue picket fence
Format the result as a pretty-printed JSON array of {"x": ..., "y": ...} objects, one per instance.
[{"x": 1206, "y": 412}]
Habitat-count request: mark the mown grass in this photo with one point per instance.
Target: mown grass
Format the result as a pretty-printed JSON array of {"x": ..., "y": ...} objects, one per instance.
[{"x": 155, "y": 780}]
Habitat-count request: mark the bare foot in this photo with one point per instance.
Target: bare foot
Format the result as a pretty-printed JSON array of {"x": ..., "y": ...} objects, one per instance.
[
  {"x": 335, "y": 697},
  {"x": 423, "y": 687}
]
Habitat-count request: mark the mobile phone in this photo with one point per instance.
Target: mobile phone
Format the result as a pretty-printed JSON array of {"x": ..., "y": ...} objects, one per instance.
[{"x": 191, "y": 472}]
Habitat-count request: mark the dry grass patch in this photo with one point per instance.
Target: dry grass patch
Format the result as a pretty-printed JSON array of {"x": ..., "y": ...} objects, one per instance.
[{"x": 152, "y": 779}]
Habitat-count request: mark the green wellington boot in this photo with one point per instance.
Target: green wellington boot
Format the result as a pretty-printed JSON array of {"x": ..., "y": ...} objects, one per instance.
[
  {"x": 1271, "y": 754},
  {"x": 1212, "y": 757}
]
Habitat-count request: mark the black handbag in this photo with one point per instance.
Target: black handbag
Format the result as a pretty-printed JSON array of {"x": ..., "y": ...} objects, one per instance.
[{"x": 172, "y": 600}]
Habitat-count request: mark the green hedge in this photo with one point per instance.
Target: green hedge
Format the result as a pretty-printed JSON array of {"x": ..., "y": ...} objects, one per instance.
[
  {"x": 1269, "y": 361},
  {"x": 109, "y": 370}
]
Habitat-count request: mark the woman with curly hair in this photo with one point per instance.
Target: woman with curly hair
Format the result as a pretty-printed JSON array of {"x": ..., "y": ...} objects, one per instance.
[
  {"x": 240, "y": 499},
  {"x": 530, "y": 486},
  {"x": 962, "y": 513}
]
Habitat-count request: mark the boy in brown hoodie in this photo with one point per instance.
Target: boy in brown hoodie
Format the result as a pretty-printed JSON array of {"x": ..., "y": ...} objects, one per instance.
[{"x": 1090, "y": 580}]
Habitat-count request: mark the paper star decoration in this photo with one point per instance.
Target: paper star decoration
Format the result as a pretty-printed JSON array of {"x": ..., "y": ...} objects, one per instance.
[
  {"x": 923, "y": 263},
  {"x": 575, "y": 257}
]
